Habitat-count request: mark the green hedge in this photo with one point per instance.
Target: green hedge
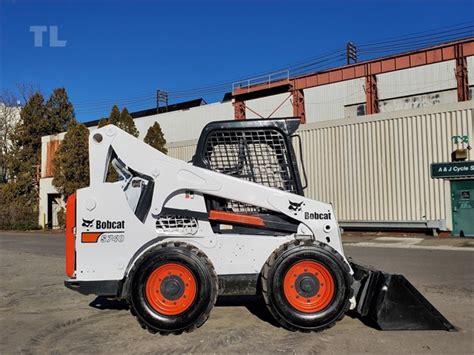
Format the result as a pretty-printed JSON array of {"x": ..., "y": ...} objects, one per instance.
[{"x": 18, "y": 217}]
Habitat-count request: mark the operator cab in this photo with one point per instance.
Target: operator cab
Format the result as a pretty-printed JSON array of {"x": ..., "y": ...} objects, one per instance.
[{"x": 259, "y": 151}]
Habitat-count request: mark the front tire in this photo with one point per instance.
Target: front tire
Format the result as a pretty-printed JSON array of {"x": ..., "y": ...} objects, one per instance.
[
  {"x": 306, "y": 286},
  {"x": 173, "y": 288}
]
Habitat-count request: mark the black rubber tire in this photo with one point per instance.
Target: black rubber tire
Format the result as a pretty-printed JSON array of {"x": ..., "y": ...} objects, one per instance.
[
  {"x": 274, "y": 272},
  {"x": 207, "y": 285}
]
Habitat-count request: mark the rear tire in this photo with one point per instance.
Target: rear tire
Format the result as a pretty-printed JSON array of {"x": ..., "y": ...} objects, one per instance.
[
  {"x": 306, "y": 286},
  {"x": 173, "y": 288}
]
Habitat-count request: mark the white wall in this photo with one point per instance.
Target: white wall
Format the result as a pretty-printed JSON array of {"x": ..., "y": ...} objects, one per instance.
[
  {"x": 327, "y": 102},
  {"x": 45, "y": 188},
  {"x": 186, "y": 124},
  {"x": 470, "y": 70},
  {"x": 266, "y": 105},
  {"x": 418, "y": 101},
  {"x": 423, "y": 79},
  {"x": 412, "y": 88}
]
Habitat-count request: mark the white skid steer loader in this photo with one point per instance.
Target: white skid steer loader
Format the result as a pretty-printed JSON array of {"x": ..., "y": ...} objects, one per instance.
[{"x": 170, "y": 236}]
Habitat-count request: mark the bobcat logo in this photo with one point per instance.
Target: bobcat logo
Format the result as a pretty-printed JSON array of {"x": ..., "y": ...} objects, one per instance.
[
  {"x": 295, "y": 206},
  {"x": 86, "y": 223}
]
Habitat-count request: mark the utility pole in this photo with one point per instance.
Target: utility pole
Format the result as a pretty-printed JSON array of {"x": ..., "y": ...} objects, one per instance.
[
  {"x": 351, "y": 53},
  {"x": 161, "y": 100}
]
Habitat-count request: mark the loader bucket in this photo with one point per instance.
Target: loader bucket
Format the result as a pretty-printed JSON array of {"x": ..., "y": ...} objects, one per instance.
[{"x": 390, "y": 302}]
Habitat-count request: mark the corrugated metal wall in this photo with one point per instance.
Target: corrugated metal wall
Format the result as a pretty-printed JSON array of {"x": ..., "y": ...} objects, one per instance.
[
  {"x": 377, "y": 167},
  {"x": 182, "y": 150}
]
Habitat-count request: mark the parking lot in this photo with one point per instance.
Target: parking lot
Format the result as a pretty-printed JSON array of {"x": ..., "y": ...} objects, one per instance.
[{"x": 39, "y": 315}]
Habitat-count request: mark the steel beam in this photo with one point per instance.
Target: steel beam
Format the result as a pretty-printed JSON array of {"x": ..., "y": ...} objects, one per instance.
[
  {"x": 371, "y": 95},
  {"x": 461, "y": 74},
  {"x": 387, "y": 64},
  {"x": 298, "y": 105},
  {"x": 239, "y": 110}
]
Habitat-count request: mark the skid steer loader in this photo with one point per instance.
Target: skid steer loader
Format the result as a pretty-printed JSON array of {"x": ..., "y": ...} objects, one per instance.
[{"x": 170, "y": 236}]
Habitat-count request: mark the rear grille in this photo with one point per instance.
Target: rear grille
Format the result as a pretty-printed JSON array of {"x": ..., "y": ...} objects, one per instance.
[{"x": 173, "y": 224}]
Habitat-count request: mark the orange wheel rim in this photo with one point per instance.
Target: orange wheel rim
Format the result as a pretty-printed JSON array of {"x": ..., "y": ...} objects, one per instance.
[
  {"x": 308, "y": 286},
  {"x": 171, "y": 289}
]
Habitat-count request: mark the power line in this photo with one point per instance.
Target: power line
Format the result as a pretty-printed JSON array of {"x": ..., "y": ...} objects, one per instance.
[
  {"x": 419, "y": 34},
  {"x": 390, "y": 44},
  {"x": 413, "y": 43}
]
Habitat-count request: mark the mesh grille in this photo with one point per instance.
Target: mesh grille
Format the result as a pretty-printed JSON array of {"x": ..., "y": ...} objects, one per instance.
[
  {"x": 176, "y": 224},
  {"x": 254, "y": 155}
]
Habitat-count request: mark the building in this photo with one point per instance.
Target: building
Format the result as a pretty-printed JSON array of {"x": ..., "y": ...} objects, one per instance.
[
  {"x": 370, "y": 131},
  {"x": 9, "y": 118}
]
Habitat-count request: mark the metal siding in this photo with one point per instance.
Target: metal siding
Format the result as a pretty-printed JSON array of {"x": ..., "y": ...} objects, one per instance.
[
  {"x": 185, "y": 125},
  {"x": 418, "y": 101},
  {"x": 423, "y": 79},
  {"x": 327, "y": 102},
  {"x": 377, "y": 167},
  {"x": 182, "y": 150},
  {"x": 265, "y": 106},
  {"x": 470, "y": 70}
]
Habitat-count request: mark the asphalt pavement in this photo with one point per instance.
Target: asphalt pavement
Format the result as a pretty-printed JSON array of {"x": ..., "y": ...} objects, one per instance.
[{"x": 39, "y": 315}]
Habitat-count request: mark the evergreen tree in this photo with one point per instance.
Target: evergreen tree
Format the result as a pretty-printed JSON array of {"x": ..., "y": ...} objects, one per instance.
[
  {"x": 114, "y": 116},
  {"x": 103, "y": 122},
  {"x": 27, "y": 134},
  {"x": 37, "y": 119},
  {"x": 127, "y": 123},
  {"x": 156, "y": 138},
  {"x": 122, "y": 120},
  {"x": 71, "y": 162},
  {"x": 59, "y": 111},
  {"x": 19, "y": 197},
  {"x": 24, "y": 158}
]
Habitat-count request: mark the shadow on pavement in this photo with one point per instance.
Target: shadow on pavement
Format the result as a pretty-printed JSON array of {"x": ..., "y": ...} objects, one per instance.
[
  {"x": 102, "y": 303},
  {"x": 254, "y": 304}
]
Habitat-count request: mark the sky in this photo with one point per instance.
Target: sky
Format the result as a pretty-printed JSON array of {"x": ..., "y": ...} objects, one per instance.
[{"x": 106, "y": 52}]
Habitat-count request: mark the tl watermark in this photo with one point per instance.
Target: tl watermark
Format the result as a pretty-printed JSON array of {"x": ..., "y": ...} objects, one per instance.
[{"x": 54, "y": 41}]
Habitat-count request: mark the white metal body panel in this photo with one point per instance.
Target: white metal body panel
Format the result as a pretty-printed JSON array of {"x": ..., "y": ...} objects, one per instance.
[
  {"x": 110, "y": 258},
  {"x": 326, "y": 102}
]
